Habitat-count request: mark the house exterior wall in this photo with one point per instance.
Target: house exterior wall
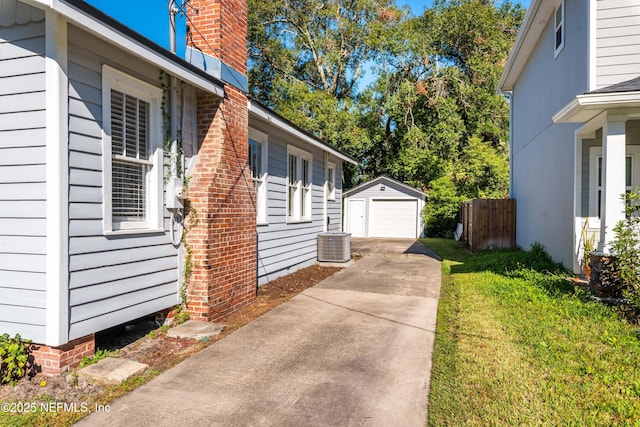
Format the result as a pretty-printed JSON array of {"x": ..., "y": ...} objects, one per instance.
[
  {"x": 391, "y": 191},
  {"x": 22, "y": 171},
  {"x": 542, "y": 163},
  {"x": 617, "y": 41},
  {"x": 112, "y": 279},
  {"x": 284, "y": 247}
]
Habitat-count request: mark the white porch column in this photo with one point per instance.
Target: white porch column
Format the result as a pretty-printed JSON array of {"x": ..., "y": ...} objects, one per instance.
[{"x": 613, "y": 178}]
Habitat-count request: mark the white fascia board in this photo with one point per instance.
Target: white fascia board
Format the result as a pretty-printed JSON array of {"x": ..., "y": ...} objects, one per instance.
[
  {"x": 585, "y": 107},
  {"x": 266, "y": 115},
  {"x": 103, "y": 31}
]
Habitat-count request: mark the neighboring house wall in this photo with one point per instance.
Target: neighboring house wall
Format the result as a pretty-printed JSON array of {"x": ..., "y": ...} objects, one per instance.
[
  {"x": 618, "y": 41},
  {"x": 543, "y": 153},
  {"x": 112, "y": 279},
  {"x": 285, "y": 246},
  {"x": 22, "y": 171}
]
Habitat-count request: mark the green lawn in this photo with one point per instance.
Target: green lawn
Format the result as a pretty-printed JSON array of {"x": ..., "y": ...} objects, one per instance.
[{"x": 517, "y": 344}]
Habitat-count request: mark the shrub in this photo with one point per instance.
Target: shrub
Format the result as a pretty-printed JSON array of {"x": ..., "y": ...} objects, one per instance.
[
  {"x": 626, "y": 247},
  {"x": 441, "y": 210},
  {"x": 15, "y": 357}
]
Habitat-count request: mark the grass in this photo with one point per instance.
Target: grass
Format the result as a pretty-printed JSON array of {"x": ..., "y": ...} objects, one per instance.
[{"x": 517, "y": 344}]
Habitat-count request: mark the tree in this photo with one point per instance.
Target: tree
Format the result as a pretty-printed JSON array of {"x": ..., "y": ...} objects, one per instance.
[{"x": 431, "y": 118}]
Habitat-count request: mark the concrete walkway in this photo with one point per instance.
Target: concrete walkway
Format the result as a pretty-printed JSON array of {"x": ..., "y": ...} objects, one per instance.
[{"x": 354, "y": 350}]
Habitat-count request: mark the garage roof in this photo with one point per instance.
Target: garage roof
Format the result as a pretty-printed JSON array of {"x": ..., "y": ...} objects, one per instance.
[{"x": 381, "y": 179}]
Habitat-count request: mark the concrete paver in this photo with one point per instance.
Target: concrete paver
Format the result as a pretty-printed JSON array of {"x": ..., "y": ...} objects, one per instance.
[
  {"x": 353, "y": 350},
  {"x": 112, "y": 370},
  {"x": 194, "y": 329}
]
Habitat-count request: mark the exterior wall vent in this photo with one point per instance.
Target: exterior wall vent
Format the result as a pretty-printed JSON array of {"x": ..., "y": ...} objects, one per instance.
[{"x": 334, "y": 247}]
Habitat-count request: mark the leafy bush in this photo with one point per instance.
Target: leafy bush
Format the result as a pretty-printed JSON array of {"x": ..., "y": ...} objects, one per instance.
[
  {"x": 626, "y": 246},
  {"x": 441, "y": 211},
  {"x": 15, "y": 357}
]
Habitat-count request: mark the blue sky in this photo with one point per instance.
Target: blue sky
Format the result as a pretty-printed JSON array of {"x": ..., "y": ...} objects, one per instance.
[{"x": 150, "y": 17}]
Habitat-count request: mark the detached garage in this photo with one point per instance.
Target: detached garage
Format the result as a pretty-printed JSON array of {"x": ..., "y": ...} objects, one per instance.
[{"x": 384, "y": 207}]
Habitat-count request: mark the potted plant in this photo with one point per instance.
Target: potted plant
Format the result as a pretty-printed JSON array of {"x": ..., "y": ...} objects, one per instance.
[{"x": 588, "y": 247}]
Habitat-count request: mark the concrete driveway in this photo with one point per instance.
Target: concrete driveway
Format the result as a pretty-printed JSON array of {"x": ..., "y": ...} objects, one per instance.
[{"x": 354, "y": 350}]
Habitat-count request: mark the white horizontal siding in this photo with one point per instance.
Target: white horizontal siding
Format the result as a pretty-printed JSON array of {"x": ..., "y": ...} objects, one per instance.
[
  {"x": 22, "y": 297},
  {"x": 22, "y": 245},
  {"x": 617, "y": 41},
  {"x": 21, "y": 102},
  {"x": 21, "y": 66},
  {"x": 36, "y": 333},
  {"x": 22, "y": 171},
  {"x": 22, "y": 208}
]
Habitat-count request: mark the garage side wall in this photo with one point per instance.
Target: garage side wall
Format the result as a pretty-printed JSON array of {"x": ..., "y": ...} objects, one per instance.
[{"x": 387, "y": 191}]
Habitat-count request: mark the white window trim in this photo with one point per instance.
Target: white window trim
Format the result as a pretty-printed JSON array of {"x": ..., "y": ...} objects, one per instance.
[
  {"x": 115, "y": 79},
  {"x": 561, "y": 26},
  {"x": 595, "y": 153},
  {"x": 261, "y": 193},
  {"x": 330, "y": 171},
  {"x": 297, "y": 207}
]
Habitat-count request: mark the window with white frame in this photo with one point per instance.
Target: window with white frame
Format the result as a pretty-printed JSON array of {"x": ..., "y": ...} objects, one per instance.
[
  {"x": 331, "y": 181},
  {"x": 559, "y": 29},
  {"x": 596, "y": 179},
  {"x": 258, "y": 165},
  {"x": 299, "y": 165},
  {"x": 132, "y": 158}
]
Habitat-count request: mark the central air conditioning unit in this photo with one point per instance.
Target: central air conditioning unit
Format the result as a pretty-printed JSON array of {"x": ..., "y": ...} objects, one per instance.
[{"x": 334, "y": 247}]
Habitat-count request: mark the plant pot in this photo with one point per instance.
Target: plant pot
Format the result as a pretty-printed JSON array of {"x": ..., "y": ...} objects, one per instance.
[{"x": 603, "y": 280}]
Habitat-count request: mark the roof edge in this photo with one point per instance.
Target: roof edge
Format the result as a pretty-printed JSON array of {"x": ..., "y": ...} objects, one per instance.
[
  {"x": 270, "y": 116},
  {"x": 105, "y": 27},
  {"x": 528, "y": 36}
]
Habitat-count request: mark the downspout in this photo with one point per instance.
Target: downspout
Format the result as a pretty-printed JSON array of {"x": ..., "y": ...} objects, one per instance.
[
  {"x": 325, "y": 164},
  {"x": 509, "y": 95}
]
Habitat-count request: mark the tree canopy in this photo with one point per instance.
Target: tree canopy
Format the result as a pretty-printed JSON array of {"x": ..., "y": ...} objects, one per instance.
[{"x": 411, "y": 97}]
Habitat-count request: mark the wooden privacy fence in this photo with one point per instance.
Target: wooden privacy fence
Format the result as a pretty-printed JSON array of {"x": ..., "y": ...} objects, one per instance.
[{"x": 488, "y": 223}]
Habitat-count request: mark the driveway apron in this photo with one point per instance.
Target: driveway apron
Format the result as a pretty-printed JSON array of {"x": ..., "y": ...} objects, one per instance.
[{"x": 354, "y": 350}]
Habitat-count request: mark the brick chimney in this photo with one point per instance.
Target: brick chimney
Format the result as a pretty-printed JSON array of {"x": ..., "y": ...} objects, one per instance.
[{"x": 221, "y": 192}]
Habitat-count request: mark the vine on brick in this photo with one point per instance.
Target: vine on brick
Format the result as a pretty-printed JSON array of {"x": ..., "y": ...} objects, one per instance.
[{"x": 170, "y": 158}]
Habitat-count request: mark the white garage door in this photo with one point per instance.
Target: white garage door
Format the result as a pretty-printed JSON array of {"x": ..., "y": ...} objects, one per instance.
[{"x": 394, "y": 218}]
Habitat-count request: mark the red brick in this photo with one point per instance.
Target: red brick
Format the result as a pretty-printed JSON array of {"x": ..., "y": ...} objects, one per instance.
[{"x": 56, "y": 360}]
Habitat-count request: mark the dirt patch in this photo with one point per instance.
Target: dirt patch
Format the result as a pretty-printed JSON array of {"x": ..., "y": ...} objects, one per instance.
[{"x": 159, "y": 351}]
